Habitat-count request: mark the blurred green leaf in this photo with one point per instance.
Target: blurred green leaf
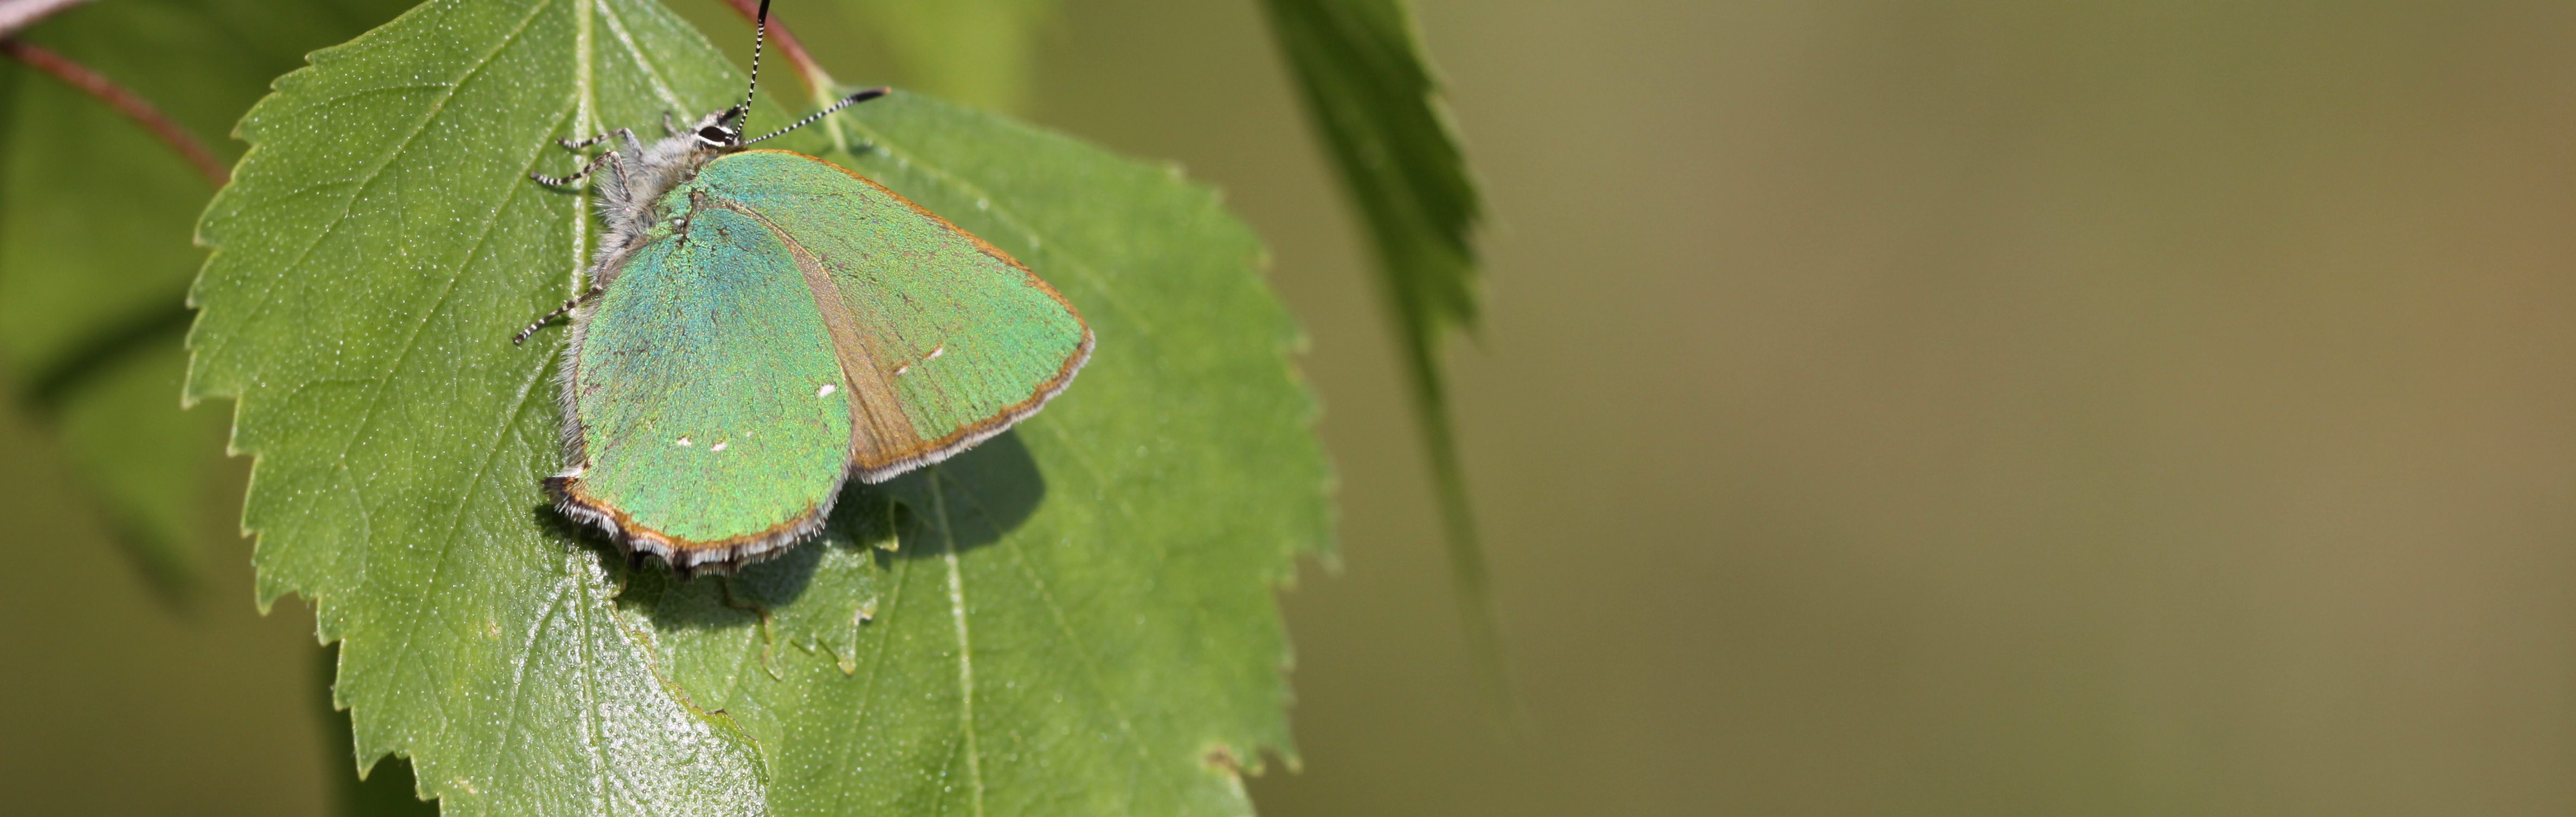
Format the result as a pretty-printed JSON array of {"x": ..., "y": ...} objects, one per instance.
[
  {"x": 96, "y": 219},
  {"x": 151, "y": 466},
  {"x": 1369, "y": 86},
  {"x": 1074, "y": 618},
  {"x": 974, "y": 51}
]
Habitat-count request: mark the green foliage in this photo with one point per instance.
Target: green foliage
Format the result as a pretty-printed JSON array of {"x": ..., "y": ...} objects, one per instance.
[
  {"x": 95, "y": 220},
  {"x": 1369, "y": 86},
  {"x": 146, "y": 463},
  {"x": 973, "y": 51},
  {"x": 1074, "y": 618},
  {"x": 386, "y": 790}
]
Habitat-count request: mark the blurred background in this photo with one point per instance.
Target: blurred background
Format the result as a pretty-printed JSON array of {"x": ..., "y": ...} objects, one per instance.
[{"x": 1984, "y": 407}]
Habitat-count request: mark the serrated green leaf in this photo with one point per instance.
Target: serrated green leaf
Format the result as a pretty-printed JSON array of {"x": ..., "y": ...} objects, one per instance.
[
  {"x": 974, "y": 51},
  {"x": 377, "y": 245},
  {"x": 1075, "y": 617},
  {"x": 96, "y": 218},
  {"x": 384, "y": 791},
  {"x": 1369, "y": 87},
  {"x": 1115, "y": 554}
]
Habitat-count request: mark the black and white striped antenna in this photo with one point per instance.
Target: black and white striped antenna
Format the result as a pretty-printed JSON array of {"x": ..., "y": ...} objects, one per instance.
[
  {"x": 759, "y": 33},
  {"x": 845, "y": 102},
  {"x": 742, "y": 112}
]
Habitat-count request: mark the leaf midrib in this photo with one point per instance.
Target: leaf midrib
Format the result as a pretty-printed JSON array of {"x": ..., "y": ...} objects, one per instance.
[{"x": 661, "y": 86}]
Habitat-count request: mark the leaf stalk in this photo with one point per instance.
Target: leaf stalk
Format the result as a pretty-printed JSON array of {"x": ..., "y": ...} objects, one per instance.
[
  {"x": 810, "y": 72},
  {"x": 126, "y": 102}
]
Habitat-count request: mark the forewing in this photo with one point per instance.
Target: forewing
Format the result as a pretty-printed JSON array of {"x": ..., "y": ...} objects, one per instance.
[
  {"x": 715, "y": 422},
  {"x": 958, "y": 340}
]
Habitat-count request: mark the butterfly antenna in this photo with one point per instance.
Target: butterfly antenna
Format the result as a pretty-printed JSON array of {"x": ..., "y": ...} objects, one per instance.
[
  {"x": 845, "y": 102},
  {"x": 759, "y": 32}
]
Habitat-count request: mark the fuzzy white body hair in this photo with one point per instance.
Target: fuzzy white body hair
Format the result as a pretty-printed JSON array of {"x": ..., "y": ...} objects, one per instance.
[{"x": 641, "y": 173}]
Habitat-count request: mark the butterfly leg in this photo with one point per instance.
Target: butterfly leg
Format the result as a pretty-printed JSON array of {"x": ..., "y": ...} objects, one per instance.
[
  {"x": 578, "y": 175},
  {"x": 669, "y": 128},
  {"x": 577, "y": 144},
  {"x": 568, "y": 306}
]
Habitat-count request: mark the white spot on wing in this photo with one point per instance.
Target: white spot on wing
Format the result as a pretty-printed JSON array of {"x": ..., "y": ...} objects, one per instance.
[
  {"x": 826, "y": 390},
  {"x": 684, "y": 442},
  {"x": 718, "y": 447},
  {"x": 936, "y": 351}
]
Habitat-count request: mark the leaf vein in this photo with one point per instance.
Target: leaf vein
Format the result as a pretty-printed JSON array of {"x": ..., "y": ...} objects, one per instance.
[
  {"x": 661, "y": 85},
  {"x": 447, "y": 539},
  {"x": 268, "y": 293},
  {"x": 1072, "y": 637},
  {"x": 876, "y": 668},
  {"x": 965, "y": 645},
  {"x": 519, "y": 674}
]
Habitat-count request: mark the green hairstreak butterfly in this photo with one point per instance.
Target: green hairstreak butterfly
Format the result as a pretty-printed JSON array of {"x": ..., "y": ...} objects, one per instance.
[{"x": 761, "y": 326}]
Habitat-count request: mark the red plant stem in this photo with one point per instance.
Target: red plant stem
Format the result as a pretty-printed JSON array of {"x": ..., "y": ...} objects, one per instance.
[
  {"x": 811, "y": 72},
  {"x": 18, "y": 14},
  {"x": 124, "y": 101}
]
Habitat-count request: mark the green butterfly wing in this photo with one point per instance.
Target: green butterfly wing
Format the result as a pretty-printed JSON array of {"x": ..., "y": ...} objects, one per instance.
[
  {"x": 791, "y": 324},
  {"x": 948, "y": 340},
  {"x": 712, "y": 421}
]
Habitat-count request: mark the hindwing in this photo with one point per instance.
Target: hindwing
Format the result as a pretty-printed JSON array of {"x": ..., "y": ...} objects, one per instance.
[{"x": 793, "y": 324}]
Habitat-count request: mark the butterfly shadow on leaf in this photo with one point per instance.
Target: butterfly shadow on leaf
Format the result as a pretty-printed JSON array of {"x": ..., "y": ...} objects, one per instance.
[{"x": 971, "y": 501}]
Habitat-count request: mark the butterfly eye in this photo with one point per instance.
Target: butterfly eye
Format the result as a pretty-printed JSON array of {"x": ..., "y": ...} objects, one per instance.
[{"x": 715, "y": 135}]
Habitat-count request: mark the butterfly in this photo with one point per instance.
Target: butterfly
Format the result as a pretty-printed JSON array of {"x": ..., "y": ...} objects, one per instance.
[{"x": 760, "y": 326}]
